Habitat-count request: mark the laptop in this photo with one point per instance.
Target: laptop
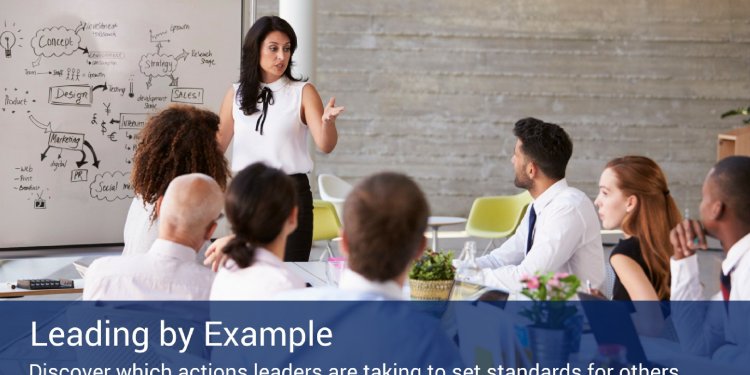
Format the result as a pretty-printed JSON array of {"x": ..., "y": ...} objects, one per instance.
[
  {"x": 611, "y": 323},
  {"x": 466, "y": 291}
]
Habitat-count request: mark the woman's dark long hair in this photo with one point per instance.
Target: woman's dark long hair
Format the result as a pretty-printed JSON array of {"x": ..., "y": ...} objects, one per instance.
[
  {"x": 259, "y": 201},
  {"x": 250, "y": 70}
]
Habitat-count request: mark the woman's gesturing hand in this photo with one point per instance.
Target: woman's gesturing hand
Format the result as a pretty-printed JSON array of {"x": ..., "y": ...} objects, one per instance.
[{"x": 331, "y": 112}]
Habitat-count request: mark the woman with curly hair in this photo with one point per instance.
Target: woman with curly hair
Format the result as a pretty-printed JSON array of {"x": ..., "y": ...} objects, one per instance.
[{"x": 180, "y": 139}]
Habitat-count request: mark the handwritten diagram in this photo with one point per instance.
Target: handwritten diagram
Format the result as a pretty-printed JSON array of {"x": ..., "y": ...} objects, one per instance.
[
  {"x": 76, "y": 89},
  {"x": 9, "y": 40}
]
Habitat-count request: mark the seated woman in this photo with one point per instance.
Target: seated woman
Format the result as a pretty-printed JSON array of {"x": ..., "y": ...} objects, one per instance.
[
  {"x": 633, "y": 196},
  {"x": 180, "y": 139},
  {"x": 261, "y": 206}
]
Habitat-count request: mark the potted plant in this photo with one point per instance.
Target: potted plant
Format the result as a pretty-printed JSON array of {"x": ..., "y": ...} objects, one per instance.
[
  {"x": 555, "y": 324},
  {"x": 738, "y": 112},
  {"x": 431, "y": 276}
]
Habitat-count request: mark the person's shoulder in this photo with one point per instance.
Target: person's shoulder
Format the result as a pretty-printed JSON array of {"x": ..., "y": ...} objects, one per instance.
[
  {"x": 629, "y": 247},
  {"x": 110, "y": 264}
]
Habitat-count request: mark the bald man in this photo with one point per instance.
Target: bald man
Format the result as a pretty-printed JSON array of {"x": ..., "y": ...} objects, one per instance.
[
  {"x": 720, "y": 330},
  {"x": 188, "y": 212}
]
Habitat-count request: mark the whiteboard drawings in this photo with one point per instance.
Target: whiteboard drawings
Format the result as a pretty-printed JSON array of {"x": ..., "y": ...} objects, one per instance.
[{"x": 77, "y": 88}]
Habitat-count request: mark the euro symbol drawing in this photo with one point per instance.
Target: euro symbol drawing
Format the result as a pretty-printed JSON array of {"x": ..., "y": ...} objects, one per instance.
[{"x": 112, "y": 136}]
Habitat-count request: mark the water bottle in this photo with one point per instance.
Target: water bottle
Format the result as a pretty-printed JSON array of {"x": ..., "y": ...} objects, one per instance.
[{"x": 468, "y": 270}]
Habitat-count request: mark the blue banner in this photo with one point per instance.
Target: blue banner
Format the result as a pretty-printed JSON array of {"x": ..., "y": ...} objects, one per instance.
[{"x": 373, "y": 338}]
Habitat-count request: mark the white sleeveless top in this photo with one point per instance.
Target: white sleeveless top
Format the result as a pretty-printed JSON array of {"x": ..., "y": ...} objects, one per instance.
[{"x": 283, "y": 144}]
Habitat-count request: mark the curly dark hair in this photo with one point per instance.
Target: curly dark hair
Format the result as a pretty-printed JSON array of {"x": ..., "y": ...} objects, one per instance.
[
  {"x": 180, "y": 139},
  {"x": 250, "y": 71},
  {"x": 547, "y": 144}
]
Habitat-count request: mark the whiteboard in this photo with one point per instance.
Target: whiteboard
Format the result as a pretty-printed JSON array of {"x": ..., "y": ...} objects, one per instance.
[{"x": 78, "y": 79}]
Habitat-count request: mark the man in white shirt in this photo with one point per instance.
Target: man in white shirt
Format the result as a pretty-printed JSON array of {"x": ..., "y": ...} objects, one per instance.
[
  {"x": 710, "y": 328},
  {"x": 168, "y": 271},
  {"x": 560, "y": 231},
  {"x": 384, "y": 221}
]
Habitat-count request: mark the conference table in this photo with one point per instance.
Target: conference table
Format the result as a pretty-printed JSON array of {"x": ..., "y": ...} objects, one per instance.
[
  {"x": 313, "y": 273},
  {"x": 436, "y": 222}
]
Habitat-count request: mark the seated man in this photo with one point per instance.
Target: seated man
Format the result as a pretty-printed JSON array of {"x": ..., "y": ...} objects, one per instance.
[
  {"x": 384, "y": 221},
  {"x": 168, "y": 271},
  {"x": 560, "y": 231},
  {"x": 705, "y": 328}
]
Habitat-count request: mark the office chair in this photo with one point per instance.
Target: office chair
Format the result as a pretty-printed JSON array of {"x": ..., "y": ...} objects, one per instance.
[
  {"x": 334, "y": 190},
  {"x": 326, "y": 224},
  {"x": 497, "y": 216}
]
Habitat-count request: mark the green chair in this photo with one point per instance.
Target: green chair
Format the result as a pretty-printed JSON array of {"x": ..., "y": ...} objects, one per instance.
[
  {"x": 496, "y": 217},
  {"x": 326, "y": 224}
]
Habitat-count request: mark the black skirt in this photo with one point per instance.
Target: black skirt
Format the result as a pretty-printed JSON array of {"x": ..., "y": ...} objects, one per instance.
[{"x": 299, "y": 243}]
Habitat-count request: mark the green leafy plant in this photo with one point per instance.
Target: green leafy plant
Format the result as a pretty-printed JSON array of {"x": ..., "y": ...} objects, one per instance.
[
  {"x": 433, "y": 265},
  {"x": 549, "y": 292},
  {"x": 738, "y": 112}
]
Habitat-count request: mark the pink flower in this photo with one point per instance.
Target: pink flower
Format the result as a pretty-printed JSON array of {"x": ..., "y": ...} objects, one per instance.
[
  {"x": 532, "y": 283},
  {"x": 554, "y": 282},
  {"x": 562, "y": 275},
  {"x": 525, "y": 277}
]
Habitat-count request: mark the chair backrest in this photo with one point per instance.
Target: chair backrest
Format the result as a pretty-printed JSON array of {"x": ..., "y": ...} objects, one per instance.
[
  {"x": 326, "y": 223},
  {"x": 497, "y": 216},
  {"x": 333, "y": 188}
]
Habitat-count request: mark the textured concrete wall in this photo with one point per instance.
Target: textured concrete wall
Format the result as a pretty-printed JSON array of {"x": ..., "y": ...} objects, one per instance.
[{"x": 433, "y": 88}]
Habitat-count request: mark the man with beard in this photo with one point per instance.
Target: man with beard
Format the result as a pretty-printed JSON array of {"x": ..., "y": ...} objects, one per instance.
[{"x": 560, "y": 231}]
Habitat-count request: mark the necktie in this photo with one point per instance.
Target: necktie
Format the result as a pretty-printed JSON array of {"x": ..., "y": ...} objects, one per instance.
[
  {"x": 726, "y": 285},
  {"x": 266, "y": 98},
  {"x": 532, "y": 221}
]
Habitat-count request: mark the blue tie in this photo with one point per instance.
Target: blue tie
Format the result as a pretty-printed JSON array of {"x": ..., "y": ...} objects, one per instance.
[{"x": 532, "y": 221}]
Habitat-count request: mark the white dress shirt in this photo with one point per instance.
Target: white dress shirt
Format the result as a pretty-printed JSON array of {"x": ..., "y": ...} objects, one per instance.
[
  {"x": 266, "y": 277},
  {"x": 168, "y": 271},
  {"x": 686, "y": 284},
  {"x": 714, "y": 329},
  {"x": 567, "y": 238},
  {"x": 352, "y": 287},
  {"x": 139, "y": 232}
]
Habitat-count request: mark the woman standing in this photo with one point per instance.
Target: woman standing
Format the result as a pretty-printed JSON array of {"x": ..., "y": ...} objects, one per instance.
[{"x": 268, "y": 114}]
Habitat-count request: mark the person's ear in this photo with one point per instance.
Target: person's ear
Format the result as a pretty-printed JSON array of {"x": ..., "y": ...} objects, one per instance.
[
  {"x": 291, "y": 221},
  {"x": 344, "y": 244},
  {"x": 210, "y": 231},
  {"x": 717, "y": 210},
  {"x": 631, "y": 203},
  {"x": 157, "y": 206},
  {"x": 531, "y": 170},
  {"x": 422, "y": 246}
]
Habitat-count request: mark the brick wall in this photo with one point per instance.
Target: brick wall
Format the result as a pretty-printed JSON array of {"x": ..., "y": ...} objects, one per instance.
[{"x": 433, "y": 88}]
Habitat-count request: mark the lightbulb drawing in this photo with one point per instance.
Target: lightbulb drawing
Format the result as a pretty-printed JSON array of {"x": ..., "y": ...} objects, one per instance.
[{"x": 7, "y": 41}]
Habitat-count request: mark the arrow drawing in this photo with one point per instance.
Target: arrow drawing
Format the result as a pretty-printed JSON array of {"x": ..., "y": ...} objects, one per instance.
[
  {"x": 44, "y": 154},
  {"x": 36, "y": 62},
  {"x": 182, "y": 56},
  {"x": 81, "y": 26},
  {"x": 103, "y": 87},
  {"x": 46, "y": 127},
  {"x": 96, "y": 161},
  {"x": 84, "y": 49}
]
